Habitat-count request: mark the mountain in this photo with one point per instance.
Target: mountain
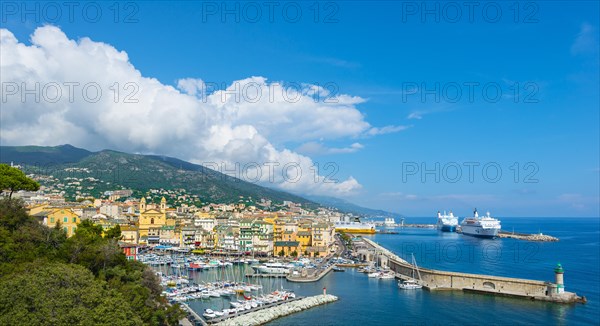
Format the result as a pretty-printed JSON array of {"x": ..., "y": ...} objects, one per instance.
[
  {"x": 41, "y": 155},
  {"x": 81, "y": 172},
  {"x": 348, "y": 207}
]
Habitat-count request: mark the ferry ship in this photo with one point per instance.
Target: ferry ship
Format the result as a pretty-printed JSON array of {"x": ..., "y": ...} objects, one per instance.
[
  {"x": 485, "y": 227},
  {"x": 389, "y": 222},
  {"x": 447, "y": 222},
  {"x": 355, "y": 227}
]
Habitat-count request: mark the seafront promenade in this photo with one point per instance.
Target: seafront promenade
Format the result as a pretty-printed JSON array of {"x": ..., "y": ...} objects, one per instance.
[{"x": 504, "y": 286}]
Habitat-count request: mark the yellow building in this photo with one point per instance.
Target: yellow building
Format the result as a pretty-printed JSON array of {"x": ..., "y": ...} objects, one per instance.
[
  {"x": 129, "y": 234},
  {"x": 287, "y": 248},
  {"x": 305, "y": 239},
  {"x": 67, "y": 219},
  {"x": 151, "y": 217}
]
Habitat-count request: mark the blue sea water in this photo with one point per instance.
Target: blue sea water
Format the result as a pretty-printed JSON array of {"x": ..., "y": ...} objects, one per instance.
[{"x": 365, "y": 301}]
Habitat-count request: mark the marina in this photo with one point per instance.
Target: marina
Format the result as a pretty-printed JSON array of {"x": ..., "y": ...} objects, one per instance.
[{"x": 226, "y": 282}]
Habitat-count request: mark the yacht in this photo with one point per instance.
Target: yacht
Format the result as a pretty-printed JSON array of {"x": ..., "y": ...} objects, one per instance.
[
  {"x": 484, "y": 227},
  {"x": 272, "y": 268},
  {"x": 447, "y": 222}
]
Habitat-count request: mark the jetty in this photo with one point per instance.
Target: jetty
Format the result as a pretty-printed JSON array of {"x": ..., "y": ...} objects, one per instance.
[
  {"x": 527, "y": 237},
  {"x": 265, "y": 315},
  {"x": 434, "y": 280}
]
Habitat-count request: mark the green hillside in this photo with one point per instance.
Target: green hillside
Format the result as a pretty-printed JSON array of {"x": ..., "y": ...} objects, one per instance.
[{"x": 92, "y": 173}]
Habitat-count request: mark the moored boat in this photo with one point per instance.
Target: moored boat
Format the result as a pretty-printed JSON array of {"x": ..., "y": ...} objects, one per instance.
[
  {"x": 447, "y": 222},
  {"x": 484, "y": 227}
]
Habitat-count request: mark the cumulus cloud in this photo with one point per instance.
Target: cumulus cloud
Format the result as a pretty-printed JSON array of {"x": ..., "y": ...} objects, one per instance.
[{"x": 59, "y": 90}]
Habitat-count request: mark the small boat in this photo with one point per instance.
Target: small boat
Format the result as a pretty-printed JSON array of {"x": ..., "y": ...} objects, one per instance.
[
  {"x": 386, "y": 276},
  {"x": 209, "y": 313},
  {"x": 409, "y": 285},
  {"x": 412, "y": 283},
  {"x": 338, "y": 269}
]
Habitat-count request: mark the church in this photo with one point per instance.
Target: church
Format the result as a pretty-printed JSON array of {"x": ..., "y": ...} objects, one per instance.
[{"x": 151, "y": 218}]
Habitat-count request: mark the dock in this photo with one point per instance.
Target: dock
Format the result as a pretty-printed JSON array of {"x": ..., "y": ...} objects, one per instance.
[
  {"x": 433, "y": 280},
  {"x": 195, "y": 318},
  {"x": 310, "y": 277},
  {"x": 265, "y": 275}
]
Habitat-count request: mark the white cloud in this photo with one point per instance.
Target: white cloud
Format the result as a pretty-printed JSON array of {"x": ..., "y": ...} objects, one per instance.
[
  {"x": 316, "y": 148},
  {"x": 586, "y": 40},
  {"x": 146, "y": 116},
  {"x": 386, "y": 130},
  {"x": 192, "y": 86},
  {"x": 415, "y": 115}
]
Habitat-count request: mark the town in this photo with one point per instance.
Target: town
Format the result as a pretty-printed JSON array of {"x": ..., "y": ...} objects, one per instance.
[{"x": 264, "y": 229}]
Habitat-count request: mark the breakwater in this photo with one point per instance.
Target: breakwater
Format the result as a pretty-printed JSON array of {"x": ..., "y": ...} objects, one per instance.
[
  {"x": 527, "y": 237},
  {"x": 266, "y": 315},
  {"x": 504, "y": 286}
]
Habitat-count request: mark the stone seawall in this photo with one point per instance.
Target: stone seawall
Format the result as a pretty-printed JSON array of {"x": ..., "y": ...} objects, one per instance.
[
  {"x": 266, "y": 315},
  {"x": 433, "y": 279}
]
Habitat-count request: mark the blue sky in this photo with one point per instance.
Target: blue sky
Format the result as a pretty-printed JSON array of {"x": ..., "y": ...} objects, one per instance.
[{"x": 386, "y": 53}]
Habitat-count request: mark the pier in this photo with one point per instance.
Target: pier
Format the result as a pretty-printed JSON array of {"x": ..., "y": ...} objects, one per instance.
[
  {"x": 317, "y": 275},
  {"x": 266, "y": 275},
  {"x": 527, "y": 237},
  {"x": 496, "y": 285},
  {"x": 266, "y": 314}
]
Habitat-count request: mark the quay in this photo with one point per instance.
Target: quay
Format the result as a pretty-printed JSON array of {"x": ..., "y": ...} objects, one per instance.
[
  {"x": 195, "y": 318},
  {"x": 265, "y": 275},
  {"x": 305, "y": 277},
  {"x": 266, "y": 314},
  {"x": 434, "y": 280}
]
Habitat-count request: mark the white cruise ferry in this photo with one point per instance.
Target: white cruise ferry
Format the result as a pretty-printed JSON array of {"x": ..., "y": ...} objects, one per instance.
[
  {"x": 355, "y": 226},
  {"x": 485, "y": 227},
  {"x": 447, "y": 222}
]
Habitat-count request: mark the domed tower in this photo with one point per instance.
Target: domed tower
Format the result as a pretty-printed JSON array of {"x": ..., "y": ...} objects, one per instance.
[
  {"x": 163, "y": 205},
  {"x": 142, "y": 205},
  {"x": 559, "y": 278}
]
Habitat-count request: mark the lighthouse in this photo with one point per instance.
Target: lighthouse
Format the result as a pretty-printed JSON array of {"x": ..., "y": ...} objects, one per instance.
[{"x": 559, "y": 278}]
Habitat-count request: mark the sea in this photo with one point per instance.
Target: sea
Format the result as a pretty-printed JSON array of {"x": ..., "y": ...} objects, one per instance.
[{"x": 368, "y": 301}]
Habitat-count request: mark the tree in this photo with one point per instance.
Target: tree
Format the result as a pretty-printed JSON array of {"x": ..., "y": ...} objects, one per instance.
[
  {"x": 294, "y": 253},
  {"x": 281, "y": 253},
  {"x": 113, "y": 233},
  {"x": 61, "y": 294},
  {"x": 13, "y": 179}
]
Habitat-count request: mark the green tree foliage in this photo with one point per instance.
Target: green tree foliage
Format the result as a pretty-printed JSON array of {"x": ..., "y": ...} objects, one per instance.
[
  {"x": 47, "y": 279},
  {"x": 61, "y": 294},
  {"x": 113, "y": 233},
  {"x": 13, "y": 179}
]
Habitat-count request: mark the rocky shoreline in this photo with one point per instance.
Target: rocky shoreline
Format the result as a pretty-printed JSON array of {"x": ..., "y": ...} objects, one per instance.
[{"x": 266, "y": 315}]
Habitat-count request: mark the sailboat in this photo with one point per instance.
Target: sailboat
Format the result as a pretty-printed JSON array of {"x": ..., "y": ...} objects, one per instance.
[{"x": 412, "y": 284}]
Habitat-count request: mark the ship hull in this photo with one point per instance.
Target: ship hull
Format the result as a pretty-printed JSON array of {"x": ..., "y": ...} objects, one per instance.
[
  {"x": 359, "y": 231},
  {"x": 447, "y": 228},
  {"x": 479, "y": 232}
]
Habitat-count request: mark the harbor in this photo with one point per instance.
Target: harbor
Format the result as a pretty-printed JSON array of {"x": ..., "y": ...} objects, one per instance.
[{"x": 433, "y": 280}]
